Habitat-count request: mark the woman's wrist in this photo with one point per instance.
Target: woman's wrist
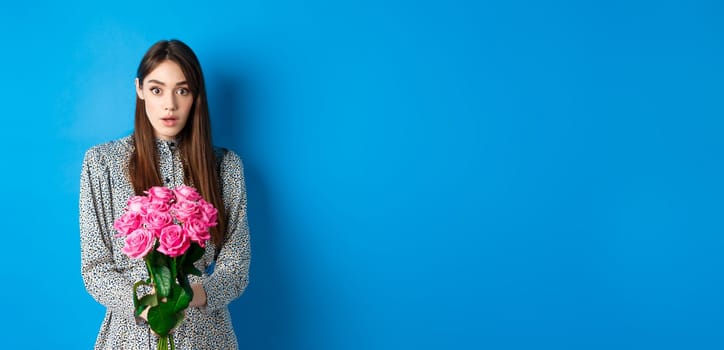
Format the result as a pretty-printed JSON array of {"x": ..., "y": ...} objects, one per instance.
[{"x": 199, "y": 299}]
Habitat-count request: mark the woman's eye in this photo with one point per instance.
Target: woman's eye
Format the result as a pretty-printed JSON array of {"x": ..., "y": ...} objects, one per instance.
[
  {"x": 155, "y": 90},
  {"x": 183, "y": 91}
]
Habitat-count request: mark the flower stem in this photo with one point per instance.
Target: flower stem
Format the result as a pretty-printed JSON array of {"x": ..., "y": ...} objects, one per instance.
[
  {"x": 163, "y": 343},
  {"x": 149, "y": 269}
]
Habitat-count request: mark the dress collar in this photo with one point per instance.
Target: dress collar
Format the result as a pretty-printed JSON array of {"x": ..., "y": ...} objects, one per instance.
[{"x": 162, "y": 144}]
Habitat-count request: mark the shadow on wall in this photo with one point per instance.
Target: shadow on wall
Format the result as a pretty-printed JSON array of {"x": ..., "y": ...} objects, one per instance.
[{"x": 263, "y": 316}]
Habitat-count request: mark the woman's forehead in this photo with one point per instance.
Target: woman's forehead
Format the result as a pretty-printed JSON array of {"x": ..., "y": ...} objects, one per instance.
[{"x": 166, "y": 73}]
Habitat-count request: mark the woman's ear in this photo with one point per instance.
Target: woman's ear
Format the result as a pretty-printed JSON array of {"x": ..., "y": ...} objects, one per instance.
[{"x": 139, "y": 91}]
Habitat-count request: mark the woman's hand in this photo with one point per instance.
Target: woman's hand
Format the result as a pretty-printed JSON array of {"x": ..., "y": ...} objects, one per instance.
[
  {"x": 144, "y": 314},
  {"x": 199, "y": 298}
]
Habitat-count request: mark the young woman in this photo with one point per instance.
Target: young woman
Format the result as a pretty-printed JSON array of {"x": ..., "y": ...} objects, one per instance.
[{"x": 170, "y": 146}]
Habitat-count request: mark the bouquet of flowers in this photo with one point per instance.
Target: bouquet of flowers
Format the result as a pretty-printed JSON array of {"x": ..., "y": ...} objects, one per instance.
[{"x": 168, "y": 229}]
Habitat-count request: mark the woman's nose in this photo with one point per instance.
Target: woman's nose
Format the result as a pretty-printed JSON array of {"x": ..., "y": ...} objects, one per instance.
[{"x": 170, "y": 104}]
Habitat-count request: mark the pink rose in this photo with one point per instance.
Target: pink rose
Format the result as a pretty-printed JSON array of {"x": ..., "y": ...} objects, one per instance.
[
  {"x": 173, "y": 241},
  {"x": 208, "y": 213},
  {"x": 137, "y": 204},
  {"x": 162, "y": 207},
  {"x": 127, "y": 223},
  {"x": 186, "y": 193},
  {"x": 159, "y": 194},
  {"x": 197, "y": 231},
  {"x": 157, "y": 220},
  {"x": 184, "y": 210},
  {"x": 138, "y": 244}
]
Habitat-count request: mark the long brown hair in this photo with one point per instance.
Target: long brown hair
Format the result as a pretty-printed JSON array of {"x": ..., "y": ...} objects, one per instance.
[{"x": 197, "y": 153}]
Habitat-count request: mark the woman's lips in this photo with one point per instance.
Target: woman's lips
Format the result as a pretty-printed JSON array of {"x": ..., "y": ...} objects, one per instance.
[{"x": 169, "y": 121}]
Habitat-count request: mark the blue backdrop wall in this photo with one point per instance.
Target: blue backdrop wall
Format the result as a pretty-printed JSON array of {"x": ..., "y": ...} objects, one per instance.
[{"x": 421, "y": 174}]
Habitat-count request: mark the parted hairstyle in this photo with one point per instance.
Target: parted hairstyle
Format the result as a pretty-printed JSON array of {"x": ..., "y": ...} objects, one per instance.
[{"x": 194, "y": 140}]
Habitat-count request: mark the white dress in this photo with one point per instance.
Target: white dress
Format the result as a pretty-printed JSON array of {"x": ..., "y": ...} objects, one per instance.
[{"x": 109, "y": 274}]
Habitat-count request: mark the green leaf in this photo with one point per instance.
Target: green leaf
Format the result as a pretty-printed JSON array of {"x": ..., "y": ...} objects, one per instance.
[
  {"x": 161, "y": 319},
  {"x": 157, "y": 258},
  {"x": 162, "y": 279},
  {"x": 135, "y": 292},
  {"x": 180, "y": 259},
  {"x": 179, "y": 318},
  {"x": 183, "y": 281},
  {"x": 192, "y": 270},
  {"x": 173, "y": 268},
  {"x": 146, "y": 301},
  {"x": 179, "y": 299},
  {"x": 194, "y": 253},
  {"x": 149, "y": 300},
  {"x": 139, "y": 310}
]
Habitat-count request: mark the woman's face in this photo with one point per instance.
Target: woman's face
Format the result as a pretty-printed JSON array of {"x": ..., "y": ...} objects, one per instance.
[{"x": 167, "y": 98}]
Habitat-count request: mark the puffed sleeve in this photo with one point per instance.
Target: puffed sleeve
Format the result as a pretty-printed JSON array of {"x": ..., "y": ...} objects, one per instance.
[
  {"x": 231, "y": 272},
  {"x": 102, "y": 279}
]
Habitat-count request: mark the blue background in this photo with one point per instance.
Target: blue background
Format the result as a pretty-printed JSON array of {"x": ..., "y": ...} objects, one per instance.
[{"x": 421, "y": 174}]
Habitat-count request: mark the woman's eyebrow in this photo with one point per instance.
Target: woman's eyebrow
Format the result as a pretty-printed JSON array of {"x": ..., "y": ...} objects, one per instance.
[{"x": 163, "y": 84}]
